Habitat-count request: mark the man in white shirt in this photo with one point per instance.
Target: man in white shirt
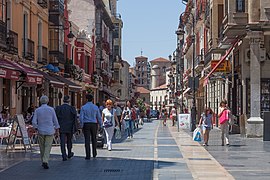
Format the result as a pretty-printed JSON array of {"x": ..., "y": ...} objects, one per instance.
[{"x": 45, "y": 121}]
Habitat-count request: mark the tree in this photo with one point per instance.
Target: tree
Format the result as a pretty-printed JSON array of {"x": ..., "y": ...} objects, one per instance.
[{"x": 141, "y": 105}]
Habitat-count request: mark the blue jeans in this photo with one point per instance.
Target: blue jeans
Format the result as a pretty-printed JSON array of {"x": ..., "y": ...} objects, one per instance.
[{"x": 129, "y": 124}]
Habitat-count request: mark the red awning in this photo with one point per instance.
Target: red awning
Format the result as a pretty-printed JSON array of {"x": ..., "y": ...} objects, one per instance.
[
  {"x": 32, "y": 76},
  {"x": 87, "y": 78},
  {"x": 221, "y": 60},
  {"x": 9, "y": 74}
]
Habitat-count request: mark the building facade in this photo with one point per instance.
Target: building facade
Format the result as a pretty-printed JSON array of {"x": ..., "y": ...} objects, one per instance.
[
  {"x": 158, "y": 71},
  {"x": 231, "y": 56},
  {"x": 142, "y": 68}
]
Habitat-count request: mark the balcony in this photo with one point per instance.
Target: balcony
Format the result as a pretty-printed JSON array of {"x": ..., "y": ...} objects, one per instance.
[
  {"x": 43, "y": 3},
  {"x": 3, "y": 34},
  {"x": 212, "y": 54},
  {"x": 56, "y": 58},
  {"x": 233, "y": 24},
  {"x": 42, "y": 55},
  {"x": 28, "y": 49},
  {"x": 199, "y": 63},
  {"x": 12, "y": 42},
  {"x": 56, "y": 6}
]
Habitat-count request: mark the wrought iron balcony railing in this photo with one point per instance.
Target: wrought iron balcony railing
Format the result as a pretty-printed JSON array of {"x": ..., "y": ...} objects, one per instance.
[
  {"x": 28, "y": 49},
  {"x": 12, "y": 42},
  {"x": 3, "y": 34}
]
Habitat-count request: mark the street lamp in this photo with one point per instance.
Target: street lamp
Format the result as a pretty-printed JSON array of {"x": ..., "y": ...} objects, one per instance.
[{"x": 180, "y": 37}]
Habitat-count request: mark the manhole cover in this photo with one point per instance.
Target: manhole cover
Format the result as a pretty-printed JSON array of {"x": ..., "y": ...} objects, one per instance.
[
  {"x": 112, "y": 170},
  {"x": 200, "y": 159}
]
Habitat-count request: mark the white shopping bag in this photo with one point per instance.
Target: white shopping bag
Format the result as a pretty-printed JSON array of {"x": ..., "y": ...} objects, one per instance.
[
  {"x": 197, "y": 136},
  {"x": 117, "y": 133}
]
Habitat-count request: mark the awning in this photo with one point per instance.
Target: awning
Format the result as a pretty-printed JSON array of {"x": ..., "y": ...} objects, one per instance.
[
  {"x": 87, "y": 78},
  {"x": 8, "y": 71},
  {"x": 32, "y": 76},
  {"x": 72, "y": 86},
  {"x": 221, "y": 60},
  {"x": 53, "y": 81}
]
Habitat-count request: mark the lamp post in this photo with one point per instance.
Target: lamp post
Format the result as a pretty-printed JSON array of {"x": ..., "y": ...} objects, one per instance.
[
  {"x": 193, "y": 109},
  {"x": 180, "y": 36}
]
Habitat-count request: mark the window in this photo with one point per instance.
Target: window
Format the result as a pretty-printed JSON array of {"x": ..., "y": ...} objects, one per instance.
[
  {"x": 240, "y": 5},
  {"x": 40, "y": 42},
  {"x": 25, "y": 33},
  {"x": 3, "y": 11},
  {"x": 164, "y": 69},
  {"x": 116, "y": 74},
  {"x": 86, "y": 65},
  {"x": 142, "y": 81}
]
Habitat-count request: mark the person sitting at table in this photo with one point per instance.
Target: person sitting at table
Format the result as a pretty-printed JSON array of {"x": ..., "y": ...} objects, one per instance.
[{"x": 4, "y": 117}]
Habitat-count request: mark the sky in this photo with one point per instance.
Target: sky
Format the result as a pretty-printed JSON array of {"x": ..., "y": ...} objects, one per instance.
[{"x": 149, "y": 26}]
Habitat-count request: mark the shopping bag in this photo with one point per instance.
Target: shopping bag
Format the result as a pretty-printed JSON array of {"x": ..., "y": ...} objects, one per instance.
[
  {"x": 197, "y": 136},
  {"x": 117, "y": 133}
]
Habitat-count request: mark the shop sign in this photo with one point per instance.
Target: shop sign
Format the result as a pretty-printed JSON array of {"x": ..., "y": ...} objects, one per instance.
[
  {"x": 9, "y": 74},
  {"x": 34, "y": 80},
  {"x": 225, "y": 66}
]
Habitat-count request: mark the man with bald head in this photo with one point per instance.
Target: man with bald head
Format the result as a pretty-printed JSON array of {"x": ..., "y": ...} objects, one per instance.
[{"x": 46, "y": 123}]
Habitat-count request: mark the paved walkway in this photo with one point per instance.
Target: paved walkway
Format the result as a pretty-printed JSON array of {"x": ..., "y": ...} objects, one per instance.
[{"x": 155, "y": 152}]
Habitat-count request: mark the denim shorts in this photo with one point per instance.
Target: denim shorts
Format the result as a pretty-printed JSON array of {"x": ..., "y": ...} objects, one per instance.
[{"x": 206, "y": 128}]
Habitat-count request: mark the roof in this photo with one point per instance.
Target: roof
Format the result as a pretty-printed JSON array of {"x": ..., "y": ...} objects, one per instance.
[
  {"x": 143, "y": 57},
  {"x": 162, "y": 87},
  {"x": 142, "y": 90},
  {"x": 160, "y": 59}
]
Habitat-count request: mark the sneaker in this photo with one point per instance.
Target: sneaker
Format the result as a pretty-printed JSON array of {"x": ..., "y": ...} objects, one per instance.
[
  {"x": 228, "y": 144},
  {"x": 128, "y": 137},
  {"x": 132, "y": 136},
  {"x": 204, "y": 144}
]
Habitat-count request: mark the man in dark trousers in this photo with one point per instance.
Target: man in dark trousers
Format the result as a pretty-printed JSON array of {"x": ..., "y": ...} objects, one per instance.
[
  {"x": 89, "y": 119},
  {"x": 67, "y": 118}
]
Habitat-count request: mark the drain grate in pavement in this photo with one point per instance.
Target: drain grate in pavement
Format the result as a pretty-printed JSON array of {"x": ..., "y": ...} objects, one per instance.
[
  {"x": 112, "y": 170},
  {"x": 200, "y": 159},
  {"x": 189, "y": 145},
  {"x": 233, "y": 165}
]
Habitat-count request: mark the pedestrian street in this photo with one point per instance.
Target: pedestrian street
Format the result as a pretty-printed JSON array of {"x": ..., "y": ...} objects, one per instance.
[{"x": 155, "y": 152}]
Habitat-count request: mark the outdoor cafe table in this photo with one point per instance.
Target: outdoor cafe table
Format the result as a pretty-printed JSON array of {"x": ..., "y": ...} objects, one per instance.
[{"x": 4, "y": 132}]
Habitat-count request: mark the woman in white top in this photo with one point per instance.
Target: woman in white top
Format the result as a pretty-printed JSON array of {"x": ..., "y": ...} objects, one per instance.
[{"x": 109, "y": 119}]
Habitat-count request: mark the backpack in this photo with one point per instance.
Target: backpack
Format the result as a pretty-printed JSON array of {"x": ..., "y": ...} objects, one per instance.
[{"x": 133, "y": 114}]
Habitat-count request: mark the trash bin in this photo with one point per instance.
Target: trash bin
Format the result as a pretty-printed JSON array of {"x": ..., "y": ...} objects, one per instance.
[{"x": 266, "y": 126}]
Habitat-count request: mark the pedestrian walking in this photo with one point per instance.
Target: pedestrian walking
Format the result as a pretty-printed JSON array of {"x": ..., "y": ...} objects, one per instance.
[
  {"x": 118, "y": 112},
  {"x": 89, "y": 119},
  {"x": 46, "y": 123},
  {"x": 164, "y": 115},
  {"x": 173, "y": 115},
  {"x": 206, "y": 122},
  {"x": 109, "y": 119},
  {"x": 148, "y": 112},
  {"x": 126, "y": 117},
  {"x": 67, "y": 118},
  {"x": 224, "y": 122}
]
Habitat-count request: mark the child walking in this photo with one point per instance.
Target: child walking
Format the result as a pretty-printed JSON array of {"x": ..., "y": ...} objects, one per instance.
[{"x": 207, "y": 119}]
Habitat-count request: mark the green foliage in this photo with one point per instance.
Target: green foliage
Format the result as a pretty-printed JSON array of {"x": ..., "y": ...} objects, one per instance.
[{"x": 141, "y": 105}]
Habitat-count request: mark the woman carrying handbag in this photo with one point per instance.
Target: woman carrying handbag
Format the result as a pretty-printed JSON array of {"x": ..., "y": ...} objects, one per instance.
[{"x": 224, "y": 122}]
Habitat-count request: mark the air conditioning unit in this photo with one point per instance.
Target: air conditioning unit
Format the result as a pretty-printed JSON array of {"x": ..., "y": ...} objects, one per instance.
[{"x": 247, "y": 55}]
